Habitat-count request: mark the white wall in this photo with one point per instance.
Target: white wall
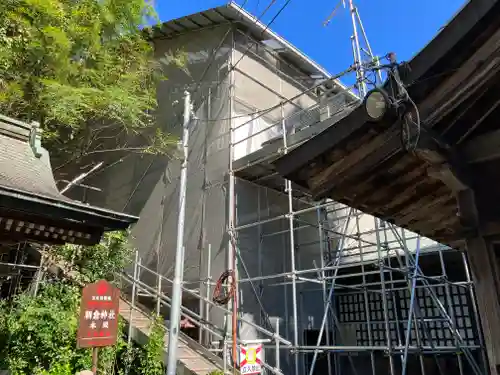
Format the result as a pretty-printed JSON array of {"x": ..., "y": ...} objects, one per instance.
[
  {"x": 250, "y": 132},
  {"x": 260, "y": 84},
  {"x": 363, "y": 247},
  {"x": 152, "y": 192}
]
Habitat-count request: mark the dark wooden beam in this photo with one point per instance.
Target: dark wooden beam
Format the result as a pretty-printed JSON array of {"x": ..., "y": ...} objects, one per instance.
[
  {"x": 428, "y": 212},
  {"x": 490, "y": 228},
  {"x": 484, "y": 266},
  {"x": 375, "y": 183},
  {"x": 409, "y": 194},
  {"x": 408, "y": 178},
  {"x": 444, "y": 219},
  {"x": 459, "y": 85},
  {"x": 358, "y": 178},
  {"x": 448, "y": 176},
  {"x": 415, "y": 202},
  {"x": 446, "y": 125},
  {"x": 331, "y": 137},
  {"x": 458, "y": 28},
  {"x": 446, "y": 166},
  {"x": 484, "y": 147},
  {"x": 361, "y": 153}
]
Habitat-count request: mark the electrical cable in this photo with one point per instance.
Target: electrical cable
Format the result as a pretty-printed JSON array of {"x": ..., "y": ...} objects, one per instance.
[
  {"x": 262, "y": 112},
  {"x": 219, "y": 297},
  {"x": 276, "y": 15},
  {"x": 214, "y": 53},
  {"x": 138, "y": 184},
  {"x": 408, "y": 143},
  {"x": 233, "y": 66}
]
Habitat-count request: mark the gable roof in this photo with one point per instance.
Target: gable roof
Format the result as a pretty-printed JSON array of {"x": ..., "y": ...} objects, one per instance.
[{"x": 233, "y": 13}]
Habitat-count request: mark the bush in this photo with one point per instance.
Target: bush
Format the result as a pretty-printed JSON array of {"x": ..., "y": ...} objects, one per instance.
[{"x": 38, "y": 333}]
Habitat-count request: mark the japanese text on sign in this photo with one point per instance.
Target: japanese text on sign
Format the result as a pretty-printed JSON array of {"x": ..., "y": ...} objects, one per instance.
[
  {"x": 250, "y": 359},
  {"x": 98, "y": 324}
]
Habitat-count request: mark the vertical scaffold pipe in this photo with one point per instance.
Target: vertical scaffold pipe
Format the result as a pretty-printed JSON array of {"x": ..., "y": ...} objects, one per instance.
[{"x": 175, "y": 311}]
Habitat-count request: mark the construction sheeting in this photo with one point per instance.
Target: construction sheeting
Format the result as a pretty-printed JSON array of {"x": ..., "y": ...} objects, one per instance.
[{"x": 149, "y": 186}]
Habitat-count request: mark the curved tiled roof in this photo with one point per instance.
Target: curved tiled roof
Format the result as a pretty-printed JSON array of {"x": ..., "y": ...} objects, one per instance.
[
  {"x": 29, "y": 197},
  {"x": 20, "y": 168}
]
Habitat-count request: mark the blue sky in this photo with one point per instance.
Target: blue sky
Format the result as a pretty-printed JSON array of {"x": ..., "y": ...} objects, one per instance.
[{"x": 401, "y": 26}]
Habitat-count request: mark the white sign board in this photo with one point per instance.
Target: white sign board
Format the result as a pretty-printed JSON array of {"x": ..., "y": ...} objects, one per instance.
[{"x": 250, "y": 359}]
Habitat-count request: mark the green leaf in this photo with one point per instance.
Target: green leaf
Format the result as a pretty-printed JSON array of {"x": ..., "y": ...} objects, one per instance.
[
  {"x": 38, "y": 333},
  {"x": 83, "y": 69}
]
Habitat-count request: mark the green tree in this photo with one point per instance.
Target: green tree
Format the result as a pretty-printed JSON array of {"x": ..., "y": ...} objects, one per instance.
[
  {"x": 151, "y": 358},
  {"x": 38, "y": 333},
  {"x": 85, "y": 71},
  {"x": 91, "y": 263}
]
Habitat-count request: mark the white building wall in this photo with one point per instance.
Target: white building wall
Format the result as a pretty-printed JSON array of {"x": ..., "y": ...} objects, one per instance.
[
  {"x": 364, "y": 247},
  {"x": 267, "y": 249},
  {"x": 149, "y": 186}
]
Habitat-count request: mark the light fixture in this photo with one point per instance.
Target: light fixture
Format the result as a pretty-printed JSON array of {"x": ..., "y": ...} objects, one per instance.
[{"x": 376, "y": 104}]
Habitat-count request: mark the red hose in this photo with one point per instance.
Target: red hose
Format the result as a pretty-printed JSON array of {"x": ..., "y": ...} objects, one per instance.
[{"x": 222, "y": 295}]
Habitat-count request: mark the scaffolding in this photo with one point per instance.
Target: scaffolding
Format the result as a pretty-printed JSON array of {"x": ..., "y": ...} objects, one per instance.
[
  {"x": 392, "y": 302},
  {"x": 323, "y": 287},
  {"x": 379, "y": 301},
  {"x": 400, "y": 316},
  {"x": 19, "y": 269}
]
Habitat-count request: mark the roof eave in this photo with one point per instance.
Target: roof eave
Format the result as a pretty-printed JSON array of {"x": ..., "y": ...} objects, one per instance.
[
  {"x": 86, "y": 214},
  {"x": 241, "y": 16},
  {"x": 272, "y": 35}
]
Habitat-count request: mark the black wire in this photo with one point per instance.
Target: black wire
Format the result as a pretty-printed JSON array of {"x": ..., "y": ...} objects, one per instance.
[
  {"x": 263, "y": 111},
  {"x": 405, "y": 120},
  {"x": 233, "y": 66},
  {"x": 212, "y": 57},
  {"x": 277, "y": 14}
]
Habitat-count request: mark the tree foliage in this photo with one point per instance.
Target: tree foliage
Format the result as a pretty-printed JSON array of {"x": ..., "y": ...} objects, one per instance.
[
  {"x": 91, "y": 263},
  {"x": 38, "y": 333},
  {"x": 85, "y": 70},
  {"x": 151, "y": 358}
]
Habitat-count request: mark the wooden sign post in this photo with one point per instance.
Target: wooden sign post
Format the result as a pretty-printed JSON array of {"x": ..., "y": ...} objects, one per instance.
[{"x": 98, "y": 324}]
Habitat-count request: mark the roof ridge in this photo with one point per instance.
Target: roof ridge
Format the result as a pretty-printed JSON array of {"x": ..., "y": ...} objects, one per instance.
[{"x": 22, "y": 131}]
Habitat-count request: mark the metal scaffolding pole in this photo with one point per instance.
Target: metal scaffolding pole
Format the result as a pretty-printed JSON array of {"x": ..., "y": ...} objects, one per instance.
[
  {"x": 449, "y": 302},
  {"x": 473, "y": 300},
  {"x": 384, "y": 299},
  {"x": 410, "y": 314},
  {"x": 401, "y": 349},
  {"x": 358, "y": 62},
  {"x": 175, "y": 311},
  {"x": 365, "y": 295},
  {"x": 432, "y": 294},
  {"x": 208, "y": 339},
  {"x": 231, "y": 253},
  {"x": 323, "y": 283},
  {"x": 329, "y": 299},
  {"x": 412, "y": 288},
  {"x": 293, "y": 275}
]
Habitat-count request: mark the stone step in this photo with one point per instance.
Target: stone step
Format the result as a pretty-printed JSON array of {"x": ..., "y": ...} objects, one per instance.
[{"x": 190, "y": 359}]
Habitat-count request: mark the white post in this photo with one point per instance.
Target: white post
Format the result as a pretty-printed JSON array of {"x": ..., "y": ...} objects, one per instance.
[
  {"x": 175, "y": 311},
  {"x": 132, "y": 300},
  {"x": 277, "y": 364},
  {"x": 208, "y": 338}
]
